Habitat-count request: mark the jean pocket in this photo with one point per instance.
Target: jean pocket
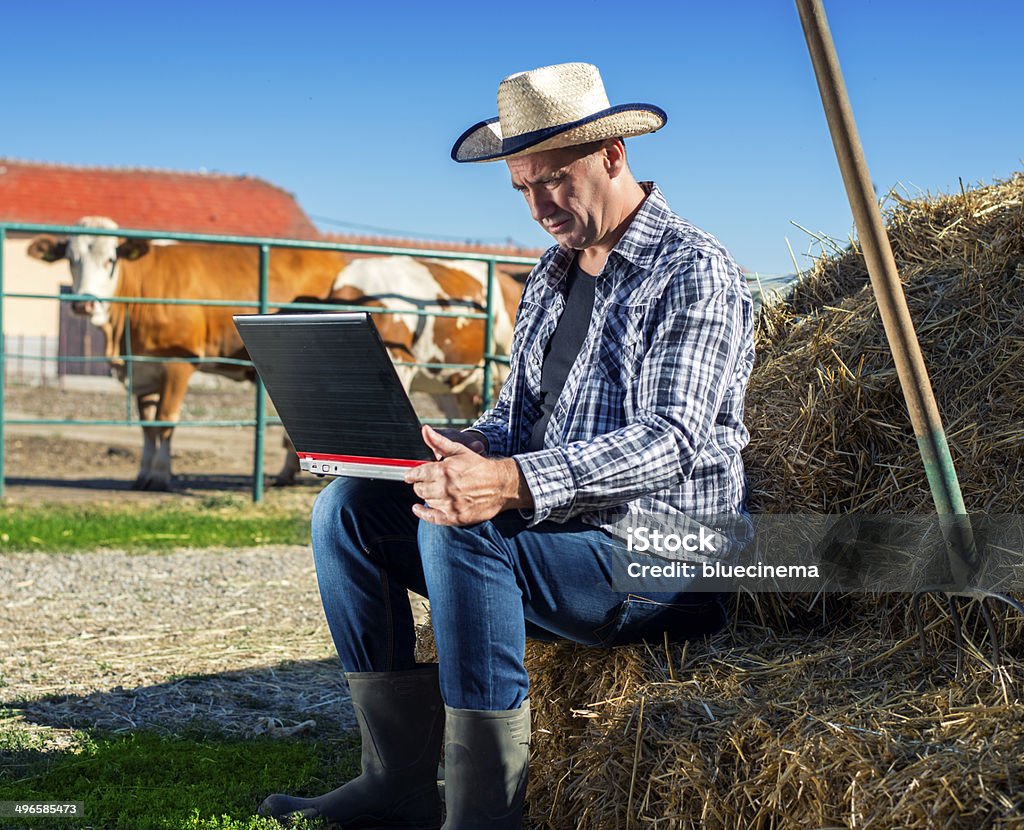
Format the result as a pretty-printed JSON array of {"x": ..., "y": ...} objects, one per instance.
[{"x": 644, "y": 620}]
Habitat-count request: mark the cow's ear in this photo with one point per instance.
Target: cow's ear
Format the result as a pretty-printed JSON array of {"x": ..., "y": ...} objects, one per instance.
[
  {"x": 48, "y": 249},
  {"x": 133, "y": 249}
]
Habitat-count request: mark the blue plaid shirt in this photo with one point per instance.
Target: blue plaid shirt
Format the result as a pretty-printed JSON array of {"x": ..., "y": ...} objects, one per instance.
[{"x": 650, "y": 420}]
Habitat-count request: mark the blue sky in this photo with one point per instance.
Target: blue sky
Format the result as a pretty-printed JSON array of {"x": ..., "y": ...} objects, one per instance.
[{"x": 353, "y": 107}]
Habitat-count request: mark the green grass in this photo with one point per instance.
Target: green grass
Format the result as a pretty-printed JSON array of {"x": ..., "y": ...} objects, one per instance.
[
  {"x": 146, "y": 781},
  {"x": 213, "y": 522}
]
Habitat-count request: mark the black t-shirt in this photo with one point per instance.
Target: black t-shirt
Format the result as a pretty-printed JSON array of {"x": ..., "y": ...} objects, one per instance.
[{"x": 564, "y": 347}]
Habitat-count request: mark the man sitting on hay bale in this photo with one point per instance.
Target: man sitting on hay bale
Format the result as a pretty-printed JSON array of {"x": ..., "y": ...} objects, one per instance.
[{"x": 632, "y": 349}]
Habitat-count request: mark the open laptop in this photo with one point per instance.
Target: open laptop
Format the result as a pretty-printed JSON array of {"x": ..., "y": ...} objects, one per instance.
[{"x": 337, "y": 393}]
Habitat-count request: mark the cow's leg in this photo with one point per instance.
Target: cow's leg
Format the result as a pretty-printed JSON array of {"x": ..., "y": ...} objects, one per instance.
[
  {"x": 176, "y": 376},
  {"x": 290, "y": 468},
  {"x": 407, "y": 375},
  {"x": 147, "y": 412},
  {"x": 468, "y": 403},
  {"x": 447, "y": 404}
]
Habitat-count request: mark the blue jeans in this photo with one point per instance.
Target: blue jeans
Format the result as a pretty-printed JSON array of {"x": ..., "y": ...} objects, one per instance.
[{"x": 490, "y": 585}]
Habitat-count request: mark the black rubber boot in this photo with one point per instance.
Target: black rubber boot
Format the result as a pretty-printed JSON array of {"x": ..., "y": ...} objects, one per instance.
[
  {"x": 401, "y": 721},
  {"x": 486, "y": 755}
]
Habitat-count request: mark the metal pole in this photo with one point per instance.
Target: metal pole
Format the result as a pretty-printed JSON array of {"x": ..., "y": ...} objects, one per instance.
[
  {"x": 488, "y": 336},
  {"x": 3, "y": 368},
  {"x": 129, "y": 365},
  {"x": 885, "y": 282},
  {"x": 261, "y": 405}
]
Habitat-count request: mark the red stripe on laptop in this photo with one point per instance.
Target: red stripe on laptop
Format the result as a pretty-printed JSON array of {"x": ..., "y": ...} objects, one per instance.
[{"x": 361, "y": 459}]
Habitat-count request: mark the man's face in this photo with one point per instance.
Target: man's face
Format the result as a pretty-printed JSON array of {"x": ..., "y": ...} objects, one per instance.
[{"x": 566, "y": 190}]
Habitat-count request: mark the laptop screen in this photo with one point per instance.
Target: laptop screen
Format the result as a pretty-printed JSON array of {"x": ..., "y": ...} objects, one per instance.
[{"x": 333, "y": 384}]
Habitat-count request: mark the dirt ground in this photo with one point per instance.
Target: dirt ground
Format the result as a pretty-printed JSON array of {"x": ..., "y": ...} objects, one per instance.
[
  {"x": 229, "y": 640},
  {"x": 85, "y": 462},
  {"x": 68, "y": 463}
]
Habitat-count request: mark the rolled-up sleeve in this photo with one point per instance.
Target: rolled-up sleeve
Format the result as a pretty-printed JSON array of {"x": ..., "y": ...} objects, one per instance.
[{"x": 492, "y": 428}]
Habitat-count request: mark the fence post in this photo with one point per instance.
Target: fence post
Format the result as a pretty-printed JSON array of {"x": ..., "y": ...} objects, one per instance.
[
  {"x": 3, "y": 368},
  {"x": 129, "y": 365},
  {"x": 261, "y": 406},
  {"x": 488, "y": 336}
]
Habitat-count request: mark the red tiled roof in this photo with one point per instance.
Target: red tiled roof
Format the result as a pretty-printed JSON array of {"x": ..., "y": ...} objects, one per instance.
[
  {"x": 166, "y": 200},
  {"x": 150, "y": 199}
]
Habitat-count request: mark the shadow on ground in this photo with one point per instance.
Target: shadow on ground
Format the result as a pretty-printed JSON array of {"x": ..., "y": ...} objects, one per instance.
[{"x": 302, "y": 697}]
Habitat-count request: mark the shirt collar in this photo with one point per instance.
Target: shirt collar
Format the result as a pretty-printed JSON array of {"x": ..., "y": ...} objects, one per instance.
[
  {"x": 639, "y": 244},
  {"x": 561, "y": 260}
]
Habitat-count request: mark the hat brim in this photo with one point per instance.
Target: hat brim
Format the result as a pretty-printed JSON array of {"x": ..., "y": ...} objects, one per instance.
[{"x": 484, "y": 142}]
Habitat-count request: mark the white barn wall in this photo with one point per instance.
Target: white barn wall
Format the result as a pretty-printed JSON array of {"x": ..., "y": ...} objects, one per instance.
[{"x": 24, "y": 275}]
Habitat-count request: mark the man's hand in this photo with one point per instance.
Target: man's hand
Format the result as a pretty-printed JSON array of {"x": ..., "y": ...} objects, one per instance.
[{"x": 463, "y": 487}]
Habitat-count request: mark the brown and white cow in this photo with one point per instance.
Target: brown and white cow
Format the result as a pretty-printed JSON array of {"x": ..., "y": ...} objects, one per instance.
[
  {"x": 104, "y": 267},
  {"x": 404, "y": 284}
]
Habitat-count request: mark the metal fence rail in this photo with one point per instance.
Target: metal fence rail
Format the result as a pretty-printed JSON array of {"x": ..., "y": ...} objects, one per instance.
[
  {"x": 261, "y": 304},
  {"x": 31, "y": 358}
]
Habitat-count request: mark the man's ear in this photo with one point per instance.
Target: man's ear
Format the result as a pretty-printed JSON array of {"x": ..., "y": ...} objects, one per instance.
[
  {"x": 615, "y": 156},
  {"x": 132, "y": 249},
  {"x": 48, "y": 249}
]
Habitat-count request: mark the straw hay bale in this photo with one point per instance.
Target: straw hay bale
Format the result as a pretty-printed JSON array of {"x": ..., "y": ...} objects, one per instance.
[
  {"x": 814, "y": 712},
  {"x": 828, "y": 422},
  {"x": 762, "y": 730},
  {"x": 829, "y": 429}
]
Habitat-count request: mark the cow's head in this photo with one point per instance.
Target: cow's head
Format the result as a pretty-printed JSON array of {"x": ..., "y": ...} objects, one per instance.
[{"x": 94, "y": 264}]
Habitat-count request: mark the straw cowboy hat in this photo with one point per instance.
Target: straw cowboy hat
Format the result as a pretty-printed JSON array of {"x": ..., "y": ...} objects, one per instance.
[{"x": 551, "y": 107}]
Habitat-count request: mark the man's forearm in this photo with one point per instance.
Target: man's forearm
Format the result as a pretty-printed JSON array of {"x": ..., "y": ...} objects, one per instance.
[{"x": 514, "y": 487}]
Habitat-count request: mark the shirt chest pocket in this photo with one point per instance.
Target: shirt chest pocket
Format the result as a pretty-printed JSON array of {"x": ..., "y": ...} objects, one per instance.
[
  {"x": 623, "y": 341},
  {"x": 533, "y": 342}
]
